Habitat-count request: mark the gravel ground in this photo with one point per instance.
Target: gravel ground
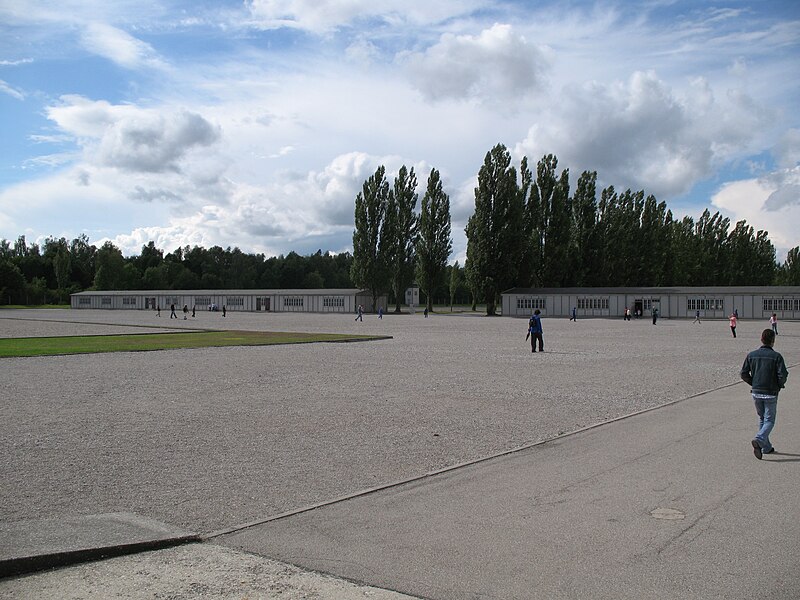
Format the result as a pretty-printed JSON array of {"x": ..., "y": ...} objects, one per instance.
[
  {"x": 206, "y": 439},
  {"x": 188, "y": 573}
]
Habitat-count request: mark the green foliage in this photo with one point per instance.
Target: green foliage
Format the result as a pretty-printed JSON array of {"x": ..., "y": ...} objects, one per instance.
[
  {"x": 369, "y": 269},
  {"x": 433, "y": 244},
  {"x": 399, "y": 232},
  {"x": 495, "y": 238}
]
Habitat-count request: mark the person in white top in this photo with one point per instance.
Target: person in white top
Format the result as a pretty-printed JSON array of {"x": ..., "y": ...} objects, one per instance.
[{"x": 773, "y": 320}]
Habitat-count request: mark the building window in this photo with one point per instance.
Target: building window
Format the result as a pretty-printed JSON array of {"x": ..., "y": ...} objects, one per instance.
[
  {"x": 84, "y": 300},
  {"x": 781, "y": 304},
  {"x": 335, "y": 302},
  {"x": 105, "y": 300},
  {"x": 693, "y": 304},
  {"x": 235, "y": 300},
  {"x": 593, "y": 303},
  {"x": 171, "y": 300},
  {"x": 129, "y": 301},
  {"x": 650, "y": 303},
  {"x": 203, "y": 300},
  {"x": 530, "y": 303},
  {"x": 293, "y": 301}
]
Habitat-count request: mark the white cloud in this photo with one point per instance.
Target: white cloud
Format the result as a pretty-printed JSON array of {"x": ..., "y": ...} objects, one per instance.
[
  {"x": 130, "y": 138},
  {"x": 320, "y": 16},
  {"x": 498, "y": 64},
  {"x": 5, "y": 88},
  {"x": 13, "y": 63},
  {"x": 770, "y": 203},
  {"x": 640, "y": 134},
  {"x": 120, "y": 47}
]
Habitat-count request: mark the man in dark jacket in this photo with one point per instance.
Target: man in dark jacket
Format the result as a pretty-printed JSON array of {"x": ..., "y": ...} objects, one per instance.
[
  {"x": 765, "y": 371},
  {"x": 535, "y": 331}
]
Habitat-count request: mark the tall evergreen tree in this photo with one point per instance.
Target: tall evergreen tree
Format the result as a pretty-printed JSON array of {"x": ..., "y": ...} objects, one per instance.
[
  {"x": 434, "y": 243},
  {"x": 455, "y": 283},
  {"x": 549, "y": 218},
  {"x": 369, "y": 270},
  {"x": 495, "y": 241},
  {"x": 399, "y": 232},
  {"x": 584, "y": 255}
]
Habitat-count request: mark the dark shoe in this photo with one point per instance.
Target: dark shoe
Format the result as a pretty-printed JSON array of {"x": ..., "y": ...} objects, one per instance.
[
  {"x": 756, "y": 449},
  {"x": 770, "y": 451}
]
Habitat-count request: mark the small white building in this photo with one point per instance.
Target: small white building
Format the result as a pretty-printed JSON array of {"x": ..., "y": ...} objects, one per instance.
[
  {"x": 317, "y": 300},
  {"x": 750, "y": 302}
]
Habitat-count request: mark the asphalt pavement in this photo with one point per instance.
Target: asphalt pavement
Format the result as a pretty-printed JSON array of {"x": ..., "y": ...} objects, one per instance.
[{"x": 670, "y": 503}]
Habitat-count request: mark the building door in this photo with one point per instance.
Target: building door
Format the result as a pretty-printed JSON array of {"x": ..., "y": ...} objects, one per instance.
[
  {"x": 638, "y": 306},
  {"x": 258, "y": 304}
]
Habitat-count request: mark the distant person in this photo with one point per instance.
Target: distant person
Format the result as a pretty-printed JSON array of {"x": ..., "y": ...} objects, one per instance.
[
  {"x": 765, "y": 371},
  {"x": 158, "y": 310},
  {"x": 696, "y": 317},
  {"x": 535, "y": 331},
  {"x": 194, "y": 309},
  {"x": 380, "y": 312},
  {"x": 360, "y": 315},
  {"x": 224, "y": 311},
  {"x": 733, "y": 324},
  {"x": 172, "y": 311},
  {"x": 736, "y": 312},
  {"x": 626, "y": 316},
  {"x": 425, "y": 312},
  {"x": 655, "y": 315},
  {"x": 773, "y": 321},
  {"x": 574, "y": 316},
  {"x": 185, "y": 311}
]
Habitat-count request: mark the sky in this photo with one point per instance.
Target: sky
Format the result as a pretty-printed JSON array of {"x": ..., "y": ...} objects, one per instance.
[{"x": 254, "y": 124}]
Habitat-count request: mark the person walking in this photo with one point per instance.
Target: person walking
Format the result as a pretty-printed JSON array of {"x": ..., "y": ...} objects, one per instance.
[
  {"x": 158, "y": 310},
  {"x": 696, "y": 317},
  {"x": 733, "y": 324},
  {"x": 360, "y": 315},
  {"x": 224, "y": 311},
  {"x": 574, "y": 316},
  {"x": 765, "y": 371},
  {"x": 773, "y": 321},
  {"x": 172, "y": 311},
  {"x": 535, "y": 331},
  {"x": 380, "y": 312},
  {"x": 185, "y": 311},
  {"x": 194, "y": 309},
  {"x": 655, "y": 315}
]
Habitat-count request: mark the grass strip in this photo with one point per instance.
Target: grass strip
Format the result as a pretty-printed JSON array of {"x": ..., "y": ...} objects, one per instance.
[{"x": 145, "y": 342}]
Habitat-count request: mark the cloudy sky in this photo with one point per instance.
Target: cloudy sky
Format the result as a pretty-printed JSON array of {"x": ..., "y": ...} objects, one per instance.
[{"x": 254, "y": 123}]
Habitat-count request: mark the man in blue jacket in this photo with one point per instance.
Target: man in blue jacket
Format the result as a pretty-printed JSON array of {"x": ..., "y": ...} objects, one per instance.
[
  {"x": 765, "y": 371},
  {"x": 535, "y": 331}
]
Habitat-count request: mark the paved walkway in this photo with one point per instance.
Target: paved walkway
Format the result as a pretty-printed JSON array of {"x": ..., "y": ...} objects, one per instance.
[{"x": 670, "y": 503}]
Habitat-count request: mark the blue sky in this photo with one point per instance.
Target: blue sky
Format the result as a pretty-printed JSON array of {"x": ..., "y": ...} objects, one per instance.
[{"x": 254, "y": 123}]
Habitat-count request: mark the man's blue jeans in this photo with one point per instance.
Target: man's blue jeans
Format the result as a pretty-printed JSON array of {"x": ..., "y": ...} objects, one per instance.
[{"x": 766, "y": 409}]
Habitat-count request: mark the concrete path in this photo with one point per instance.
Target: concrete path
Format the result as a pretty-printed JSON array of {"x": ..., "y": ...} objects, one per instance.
[
  {"x": 670, "y": 503},
  {"x": 34, "y": 545}
]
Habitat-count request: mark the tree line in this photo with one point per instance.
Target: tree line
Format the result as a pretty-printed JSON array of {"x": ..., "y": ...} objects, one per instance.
[
  {"x": 531, "y": 231},
  {"x": 48, "y": 273},
  {"x": 527, "y": 230}
]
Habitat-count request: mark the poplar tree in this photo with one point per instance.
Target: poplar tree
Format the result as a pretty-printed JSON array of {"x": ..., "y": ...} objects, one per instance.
[
  {"x": 548, "y": 216},
  {"x": 399, "y": 231},
  {"x": 434, "y": 243},
  {"x": 584, "y": 255},
  {"x": 369, "y": 270},
  {"x": 455, "y": 282},
  {"x": 495, "y": 242}
]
